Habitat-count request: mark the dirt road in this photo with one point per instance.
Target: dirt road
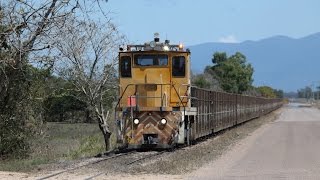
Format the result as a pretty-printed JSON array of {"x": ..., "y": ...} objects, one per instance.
[{"x": 288, "y": 148}]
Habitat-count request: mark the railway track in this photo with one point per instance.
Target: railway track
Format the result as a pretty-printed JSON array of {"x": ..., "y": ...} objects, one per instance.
[
  {"x": 140, "y": 159},
  {"x": 84, "y": 165},
  {"x": 128, "y": 163},
  {"x": 144, "y": 158}
]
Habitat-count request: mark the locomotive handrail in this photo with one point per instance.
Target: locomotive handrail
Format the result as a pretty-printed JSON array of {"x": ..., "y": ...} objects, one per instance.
[
  {"x": 138, "y": 96},
  {"x": 187, "y": 85},
  {"x": 178, "y": 96}
]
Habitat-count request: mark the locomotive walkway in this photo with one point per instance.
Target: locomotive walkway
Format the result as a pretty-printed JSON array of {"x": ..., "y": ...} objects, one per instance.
[{"x": 288, "y": 148}]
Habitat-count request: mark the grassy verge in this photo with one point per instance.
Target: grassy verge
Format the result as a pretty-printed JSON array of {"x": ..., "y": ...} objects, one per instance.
[{"x": 59, "y": 142}]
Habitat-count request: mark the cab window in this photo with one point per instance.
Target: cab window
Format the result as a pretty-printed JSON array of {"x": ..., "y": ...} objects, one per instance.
[
  {"x": 125, "y": 66},
  {"x": 178, "y": 66},
  {"x": 150, "y": 60}
]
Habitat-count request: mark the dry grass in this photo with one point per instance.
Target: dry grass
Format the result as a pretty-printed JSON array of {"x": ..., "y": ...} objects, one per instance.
[{"x": 59, "y": 142}]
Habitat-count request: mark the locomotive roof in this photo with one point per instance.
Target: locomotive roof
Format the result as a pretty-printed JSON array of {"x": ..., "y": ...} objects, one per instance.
[{"x": 155, "y": 45}]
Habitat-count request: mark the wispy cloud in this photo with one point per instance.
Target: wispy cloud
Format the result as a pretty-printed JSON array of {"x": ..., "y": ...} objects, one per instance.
[{"x": 228, "y": 39}]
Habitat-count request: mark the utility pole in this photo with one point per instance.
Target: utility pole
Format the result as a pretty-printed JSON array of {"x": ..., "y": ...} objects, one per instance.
[
  {"x": 312, "y": 92},
  {"x": 318, "y": 90}
]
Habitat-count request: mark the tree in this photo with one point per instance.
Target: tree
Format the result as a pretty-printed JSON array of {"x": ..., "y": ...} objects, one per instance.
[
  {"x": 57, "y": 106},
  {"x": 279, "y": 93},
  {"x": 201, "y": 82},
  {"x": 233, "y": 73},
  {"x": 252, "y": 91},
  {"x": 22, "y": 26},
  {"x": 305, "y": 92},
  {"x": 318, "y": 92},
  {"x": 206, "y": 80},
  {"x": 27, "y": 28},
  {"x": 267, "y": 92},
  {"x": 89, "y": 61}
]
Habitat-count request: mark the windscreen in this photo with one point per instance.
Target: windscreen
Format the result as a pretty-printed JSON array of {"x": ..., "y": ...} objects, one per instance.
[{"x": 151, "y": 60}]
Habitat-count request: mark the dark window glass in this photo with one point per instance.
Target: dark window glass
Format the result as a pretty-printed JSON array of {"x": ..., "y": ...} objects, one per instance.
[
  {"x": 150, "y": 60},
  {"x": 125, "y": 66},
  {"x": 178, "y": 66}
]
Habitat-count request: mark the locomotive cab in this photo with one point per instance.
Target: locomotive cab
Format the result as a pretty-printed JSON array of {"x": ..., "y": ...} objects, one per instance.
[{"x": 154, "y": 81}]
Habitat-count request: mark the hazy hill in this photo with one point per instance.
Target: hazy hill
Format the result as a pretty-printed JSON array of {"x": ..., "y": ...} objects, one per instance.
[{"x": 279, "y": 61}]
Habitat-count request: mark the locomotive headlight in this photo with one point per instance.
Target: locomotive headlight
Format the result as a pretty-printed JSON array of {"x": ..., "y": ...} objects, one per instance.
[
  {"x": 166, "y": 48},
  {"x": 180, "y": 46},
  {"x": 136, "y": 121},
  {"x": 163, "y": 121}
]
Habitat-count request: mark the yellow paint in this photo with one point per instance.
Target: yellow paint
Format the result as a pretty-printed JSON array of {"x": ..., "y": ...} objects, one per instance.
[{"x": 143, "y": 77}]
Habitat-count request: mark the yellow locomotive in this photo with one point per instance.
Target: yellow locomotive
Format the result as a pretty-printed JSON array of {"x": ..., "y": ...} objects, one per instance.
[
  {"x": 154, "y": 88},
  {"x": 158, "y": 108}
]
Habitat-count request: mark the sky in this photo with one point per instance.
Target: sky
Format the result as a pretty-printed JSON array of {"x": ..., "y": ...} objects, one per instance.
[{"x": 198, "y": 21}]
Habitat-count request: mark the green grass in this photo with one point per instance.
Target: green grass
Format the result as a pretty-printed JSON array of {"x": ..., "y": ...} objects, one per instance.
[{"x": 59, "y": 142}]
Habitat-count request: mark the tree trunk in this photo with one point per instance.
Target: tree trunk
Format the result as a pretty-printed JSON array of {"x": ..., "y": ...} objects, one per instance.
[
  {"x": 87, "y": 120},
  {"x": 106, "y": 136},
  {"x": 103, "y": 125}
]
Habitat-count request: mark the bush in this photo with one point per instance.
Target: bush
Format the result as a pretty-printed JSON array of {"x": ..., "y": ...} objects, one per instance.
[
  {"x": 58, "y": 108},
  {"x": 13, "y": 137},
  {"x": 15, "y": 113}
]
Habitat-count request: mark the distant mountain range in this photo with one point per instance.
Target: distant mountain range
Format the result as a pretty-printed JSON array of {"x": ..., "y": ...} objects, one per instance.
[{"x": 280, "y": 61}]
